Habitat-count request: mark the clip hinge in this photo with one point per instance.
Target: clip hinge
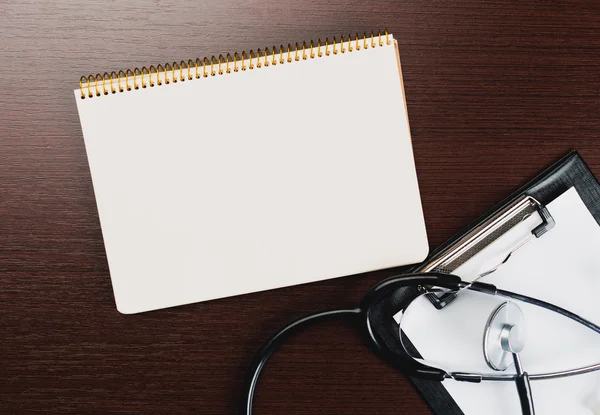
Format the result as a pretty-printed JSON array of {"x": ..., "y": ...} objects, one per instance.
[{"x": 547, "y": 222}]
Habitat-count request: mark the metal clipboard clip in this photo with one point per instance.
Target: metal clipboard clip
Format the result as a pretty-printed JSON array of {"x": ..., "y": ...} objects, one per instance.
[{"x": 481, "y": 236}]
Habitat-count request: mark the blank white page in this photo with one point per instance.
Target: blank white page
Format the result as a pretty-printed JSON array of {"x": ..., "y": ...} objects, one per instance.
[{"x": 254, "y": 179}]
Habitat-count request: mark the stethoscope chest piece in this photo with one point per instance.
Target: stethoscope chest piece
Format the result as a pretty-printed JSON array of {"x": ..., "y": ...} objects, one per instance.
[{"x": 504, "y": 336}]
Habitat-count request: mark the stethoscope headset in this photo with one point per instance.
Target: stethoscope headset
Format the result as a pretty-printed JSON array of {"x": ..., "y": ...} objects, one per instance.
[{"x": 373, "y": 318}]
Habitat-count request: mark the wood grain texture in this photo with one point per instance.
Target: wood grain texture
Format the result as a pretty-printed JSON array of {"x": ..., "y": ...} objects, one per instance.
[{"x": 496, "y": 91}]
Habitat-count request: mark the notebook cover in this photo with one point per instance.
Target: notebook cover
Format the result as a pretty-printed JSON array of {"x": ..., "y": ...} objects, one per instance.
[
  {"x": 569, "y": 171},
  {"x": 249, "y": 189}
]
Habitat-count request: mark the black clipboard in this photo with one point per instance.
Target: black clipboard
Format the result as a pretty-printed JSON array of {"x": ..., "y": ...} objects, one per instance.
[{"x": 569, "y": 171}]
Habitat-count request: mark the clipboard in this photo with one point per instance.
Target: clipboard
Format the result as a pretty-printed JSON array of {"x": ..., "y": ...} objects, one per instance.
[{"x": 569, "y": 171}]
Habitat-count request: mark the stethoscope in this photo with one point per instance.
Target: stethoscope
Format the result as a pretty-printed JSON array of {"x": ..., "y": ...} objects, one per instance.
[{"x": 503, "y": 337}]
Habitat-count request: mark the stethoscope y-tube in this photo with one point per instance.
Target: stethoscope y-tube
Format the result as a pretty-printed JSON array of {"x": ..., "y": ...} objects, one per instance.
[{"x": 402, "y": 290}]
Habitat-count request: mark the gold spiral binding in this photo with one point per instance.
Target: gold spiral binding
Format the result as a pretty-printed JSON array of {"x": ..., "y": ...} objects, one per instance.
[
  {"x": 197, "y": 75},
  {"x": 190, "y": 64},
  {"x": 82, "y": 80},
  {"x": 220, "y": 70},
  {"x": 168, "y": 68},
  {"x": 175, "y": 66},
  {"x": 258, "y": 64},
  {"x": 136, "y": 73},
  {"x": 150, "y": 71},
  {"x": 113, "y": 76},
  {"x": 204, "y": 62},
  {"x": 106, "y": 77},
  {"x": 91, "y": 79},
  {"x": 212, "y": 62},
  {"x": 159, "y": 69},
  {"x": 198, "y": 63},
  {"x": 127, "y": 72},
  {"x": 119, "y": 80},
  {"x": 182, "y": 64},
  {"x": 145, "y": 73},
  {"x": 104, "y": 91},
  {"x": 96, "y": 85}
]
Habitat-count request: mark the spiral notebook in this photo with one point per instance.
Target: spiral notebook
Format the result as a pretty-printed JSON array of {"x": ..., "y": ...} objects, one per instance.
[{"x": 251, "y": 171}]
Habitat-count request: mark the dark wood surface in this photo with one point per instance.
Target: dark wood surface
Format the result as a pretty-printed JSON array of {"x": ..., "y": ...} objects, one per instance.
[{"x": 496, "y": 91}]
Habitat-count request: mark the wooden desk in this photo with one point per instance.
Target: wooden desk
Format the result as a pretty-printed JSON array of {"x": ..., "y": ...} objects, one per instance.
[{"x": 496, "y": 92}]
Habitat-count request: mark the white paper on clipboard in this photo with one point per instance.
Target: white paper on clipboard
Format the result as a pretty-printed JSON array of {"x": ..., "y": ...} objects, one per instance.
[{"x": 561, "y": 267}]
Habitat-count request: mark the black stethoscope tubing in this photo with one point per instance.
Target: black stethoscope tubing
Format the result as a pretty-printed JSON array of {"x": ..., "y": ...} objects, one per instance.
[{"x": 405, "y": 363}]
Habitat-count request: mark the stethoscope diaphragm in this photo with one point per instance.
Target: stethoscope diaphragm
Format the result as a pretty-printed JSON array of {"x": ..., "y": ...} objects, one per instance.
[{"x": 504, "y": 335}]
